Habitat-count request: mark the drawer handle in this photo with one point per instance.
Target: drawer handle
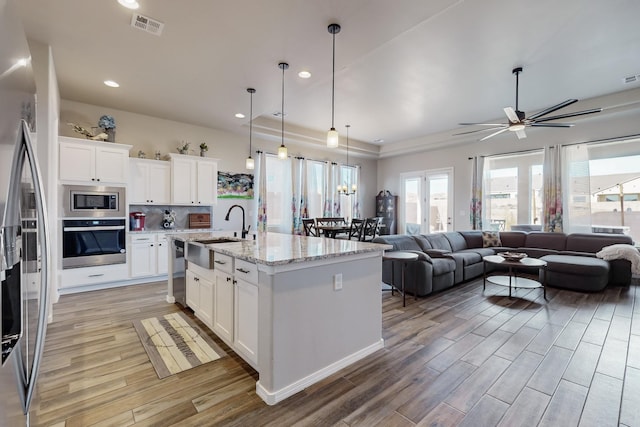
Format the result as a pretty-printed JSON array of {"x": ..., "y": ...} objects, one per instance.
[
  {"x": 242, "y": 270},
  {"x": 235, "y": 282},
  {"x": 228, "y": 279},
  {"x": 219, "y": 262},
  {"x": 96, "y": 275}
]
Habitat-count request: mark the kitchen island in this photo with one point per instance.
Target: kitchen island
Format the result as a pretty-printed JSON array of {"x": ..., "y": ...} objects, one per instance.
[{"x": 296, "y": 308}]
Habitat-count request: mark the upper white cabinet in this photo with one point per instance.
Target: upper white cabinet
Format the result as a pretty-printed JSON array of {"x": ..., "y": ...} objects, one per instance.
[
  {"x": 194, "y": 180},
  {"x": 93, "y": 161},
  {"x": 149, "y": 182}
]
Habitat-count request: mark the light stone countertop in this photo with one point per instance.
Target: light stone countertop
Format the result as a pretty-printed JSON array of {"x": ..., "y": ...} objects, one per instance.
[{"x": 279, "y": 249}]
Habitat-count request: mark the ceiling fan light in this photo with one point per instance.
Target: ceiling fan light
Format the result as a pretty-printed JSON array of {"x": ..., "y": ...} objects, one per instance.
[{"x": 333, "y": 139}]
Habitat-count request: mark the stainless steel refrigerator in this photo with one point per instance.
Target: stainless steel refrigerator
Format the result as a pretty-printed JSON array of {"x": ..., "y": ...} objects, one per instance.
[{"x": 24, "y": 246}]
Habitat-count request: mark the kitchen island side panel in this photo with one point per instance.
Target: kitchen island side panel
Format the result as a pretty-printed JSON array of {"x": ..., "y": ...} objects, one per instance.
[{"x": 309, "y": 330}]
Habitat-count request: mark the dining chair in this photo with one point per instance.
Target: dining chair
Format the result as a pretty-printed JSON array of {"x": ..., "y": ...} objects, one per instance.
[
  {"x": 330, "y": 221},
  {"x": 370, "y": 229},
  {"x": 309, "y": 225},
  {"x": 355, "y": 228}
]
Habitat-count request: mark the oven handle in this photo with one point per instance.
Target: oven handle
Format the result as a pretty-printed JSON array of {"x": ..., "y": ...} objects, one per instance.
[{"x": 104, "y": 228}]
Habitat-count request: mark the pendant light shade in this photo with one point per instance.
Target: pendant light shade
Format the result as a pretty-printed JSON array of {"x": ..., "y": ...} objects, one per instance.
[
  {"x": 333, "y": 139},
  {"x": 249, "y": 163},
  {"x": 282, "y": 151}
]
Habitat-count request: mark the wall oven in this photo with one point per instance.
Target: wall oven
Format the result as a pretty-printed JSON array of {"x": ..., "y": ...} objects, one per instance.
[
  {"x": 92, "y": 242},
  {"x": 93, "y": 201}
]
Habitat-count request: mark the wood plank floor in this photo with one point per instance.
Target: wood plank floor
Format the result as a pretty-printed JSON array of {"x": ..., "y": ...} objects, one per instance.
[{"x": 462, "y": 357}]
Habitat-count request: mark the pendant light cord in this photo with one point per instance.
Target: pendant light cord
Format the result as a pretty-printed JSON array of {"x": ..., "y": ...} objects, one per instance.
[
  {"x": 333, "y": 81},
  {"x": 282, "y": 110},
  {"x": 250, "y": 119},
  {"x": 347, "y": 126}
]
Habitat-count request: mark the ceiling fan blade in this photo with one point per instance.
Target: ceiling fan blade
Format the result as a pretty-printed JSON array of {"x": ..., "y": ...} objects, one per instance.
[
  {"x": 481, "y": 124},
  {"x": 511, "y": 114},
  {"x": 521, "y": 134},
  {"x": 554, "y": 108},
  {"x": 564, "y": 116},
  {"x": 481, "y": 130},
  {"x": 552, "y": 125},
  {"x": 495, "y": 133}
]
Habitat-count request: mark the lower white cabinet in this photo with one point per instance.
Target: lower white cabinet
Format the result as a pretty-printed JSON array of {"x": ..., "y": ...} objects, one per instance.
[
  {"x": 200, "y": 294},
  {"x": 223, "y": 305},
  {"x": 245, "y": 339},
  {"x": 149, "y": 254},
  {"x": 88, "y": 276}
]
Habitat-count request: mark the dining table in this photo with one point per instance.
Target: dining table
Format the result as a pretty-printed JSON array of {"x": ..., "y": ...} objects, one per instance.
[{"x": 334, "y": 229}]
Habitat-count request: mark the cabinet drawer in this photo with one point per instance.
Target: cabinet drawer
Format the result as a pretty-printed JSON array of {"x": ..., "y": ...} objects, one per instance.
[
  {"x": 223, "y": 262},
  {"x": 143, "y": 238},
  {"x": 246, "y": 271},
  {"x": 93, "y": 275}
]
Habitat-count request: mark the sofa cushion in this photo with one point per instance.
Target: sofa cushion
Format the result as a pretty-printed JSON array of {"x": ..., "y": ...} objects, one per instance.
[
  {"x": 594, "y": 242},
  {"x": 545, "y": 240},
  {"x": 422, "y": 242},
  {"x": 438, "y": 241},
  {"x": 443, "y": 266},
  {"x": 473, "y": 238},
  {"x": 457, "y": 242},
  {"x": 400, "y": 242},
  {"x": 578, "y": 265},
  {"x": 468, "y": 256},
  {"x": 491, "y": 239},
  {"x": 513, "y": 239}
]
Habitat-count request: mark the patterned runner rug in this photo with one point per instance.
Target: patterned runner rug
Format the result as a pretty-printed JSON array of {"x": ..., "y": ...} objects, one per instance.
[{"x": 175, "y": 343}]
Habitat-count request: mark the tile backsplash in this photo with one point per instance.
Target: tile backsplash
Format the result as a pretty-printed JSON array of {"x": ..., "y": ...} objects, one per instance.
[{"x": 155, "y": 214}]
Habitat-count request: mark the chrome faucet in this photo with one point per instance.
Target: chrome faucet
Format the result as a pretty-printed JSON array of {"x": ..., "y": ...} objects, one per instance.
[{"x": 226, "y": 218}]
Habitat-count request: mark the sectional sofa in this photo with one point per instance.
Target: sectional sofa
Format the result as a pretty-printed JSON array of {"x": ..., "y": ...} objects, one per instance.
[{"x": 447, "y": 259}]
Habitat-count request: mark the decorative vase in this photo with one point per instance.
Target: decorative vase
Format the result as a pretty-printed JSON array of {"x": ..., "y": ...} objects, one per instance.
[
  {"x": 111, "y": 134},
  {"x": 202, "y": 152}
]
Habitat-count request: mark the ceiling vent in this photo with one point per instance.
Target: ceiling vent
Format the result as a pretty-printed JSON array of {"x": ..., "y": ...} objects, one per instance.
[
  {"x": 147, "y": 24},
  {"x": 631, "y": 79}
]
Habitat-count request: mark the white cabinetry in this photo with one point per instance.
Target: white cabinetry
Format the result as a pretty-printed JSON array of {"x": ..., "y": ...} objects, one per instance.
[
  {"x": 245, "y": 340},
  {"x": 200, "y": 293},
  {"x": 194, "y": 180},
  {"x": 223, "y": 296},
  {"x": 149, "y": 182},
  {"x": 149, "y": 254},
  {"x": 93, "y": 161}
]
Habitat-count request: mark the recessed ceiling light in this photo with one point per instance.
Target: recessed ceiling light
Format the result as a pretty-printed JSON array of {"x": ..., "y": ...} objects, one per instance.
[
  {"x": 22, "y": 62},
  {"x": 129, "y": 4},
  {"x": 240, "y": 116},
  {"x": 111, "y": 83},
  {"x": 304, "y": 74},
  {"x": 378, "y": 141}
]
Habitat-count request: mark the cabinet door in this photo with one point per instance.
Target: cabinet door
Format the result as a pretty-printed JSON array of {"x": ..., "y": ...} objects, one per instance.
[
  {"x": 223, "y": 305},
  {"x": 162, "y": 259},
  {"x": 77, "y": 162},
  {"x": 246, "y": 319},
  {"x": 138, "y": 172},
  {"x": 207, "y": 182},
  {"x": 183, "y": 177},
  {"x": 158, "y": 180},
  {"x": 143, "y": 259},
  {"x": 193, "y": 291},
  {"x": 112, "y": 164},
  {"x": 206, "y": 301}
]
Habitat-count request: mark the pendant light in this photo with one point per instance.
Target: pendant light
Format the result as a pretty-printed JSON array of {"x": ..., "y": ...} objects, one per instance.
[
  {"x": 282, "y": 151},
  {"x": 249, "y": 163},
  {"x": 332, "y": 136},
  {"x": 343, "y": 189}
]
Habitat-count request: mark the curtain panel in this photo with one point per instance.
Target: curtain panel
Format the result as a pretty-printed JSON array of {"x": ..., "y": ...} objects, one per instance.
[
  {"x": 552, "y": 209},
  {"x": 299, "y": 197},
  {"x": 477, "y": 178},
  {"x": 261, "y": 192}
]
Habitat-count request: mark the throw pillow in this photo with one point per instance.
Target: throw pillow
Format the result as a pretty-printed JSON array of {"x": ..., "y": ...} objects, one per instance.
[{"x": 490, "y": 239}]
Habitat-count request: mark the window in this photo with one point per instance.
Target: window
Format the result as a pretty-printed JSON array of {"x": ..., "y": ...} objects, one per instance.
[
  {"x": 278, "y": 174},
  {"x": 513, "y": 190},
  {"x": 315, "y": 188}
]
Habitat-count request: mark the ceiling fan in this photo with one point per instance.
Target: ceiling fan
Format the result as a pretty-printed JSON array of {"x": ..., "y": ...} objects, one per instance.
[{"x": 518, "y": 121}]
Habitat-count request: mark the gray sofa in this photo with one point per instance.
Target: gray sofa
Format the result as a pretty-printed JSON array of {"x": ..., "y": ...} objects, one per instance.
[{"x": 447, "y": 259}]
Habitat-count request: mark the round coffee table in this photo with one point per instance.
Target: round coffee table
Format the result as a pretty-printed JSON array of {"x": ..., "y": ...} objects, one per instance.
[
  {"x": 512, "y": 280},
  {"x": 403, "y": 257}
]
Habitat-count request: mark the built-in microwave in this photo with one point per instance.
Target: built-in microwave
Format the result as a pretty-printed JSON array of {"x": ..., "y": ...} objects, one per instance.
[{"x": 93, "y": 201}]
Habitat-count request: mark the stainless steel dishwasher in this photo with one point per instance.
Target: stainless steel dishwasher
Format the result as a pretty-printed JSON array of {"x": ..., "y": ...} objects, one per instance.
[{"x": 177, "y": 273}]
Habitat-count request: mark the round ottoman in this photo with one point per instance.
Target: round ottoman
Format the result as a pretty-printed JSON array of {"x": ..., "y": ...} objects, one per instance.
[{"x": 578, "y": 273}]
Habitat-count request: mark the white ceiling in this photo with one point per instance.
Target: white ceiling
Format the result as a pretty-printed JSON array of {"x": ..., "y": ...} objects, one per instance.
[{"x": 404, "y": 68}]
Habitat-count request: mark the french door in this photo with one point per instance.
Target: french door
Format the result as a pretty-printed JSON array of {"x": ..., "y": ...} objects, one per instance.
[{"x": 426, "y": 201}]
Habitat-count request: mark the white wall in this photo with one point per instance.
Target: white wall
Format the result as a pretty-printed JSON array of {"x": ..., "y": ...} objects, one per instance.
[
  {"x": 149, "y": 134},
  {"x": 620, "y": 118}
]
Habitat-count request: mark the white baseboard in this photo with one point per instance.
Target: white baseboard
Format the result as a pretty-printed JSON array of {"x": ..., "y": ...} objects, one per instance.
[{"x": 271, "y": 398}]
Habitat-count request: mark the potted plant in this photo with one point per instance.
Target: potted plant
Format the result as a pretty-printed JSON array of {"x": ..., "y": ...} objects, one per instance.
[
  {"x": 108, "y": 123},
  {"x": 184, "y": 147},
  {"x": 203, "y": 149}
]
